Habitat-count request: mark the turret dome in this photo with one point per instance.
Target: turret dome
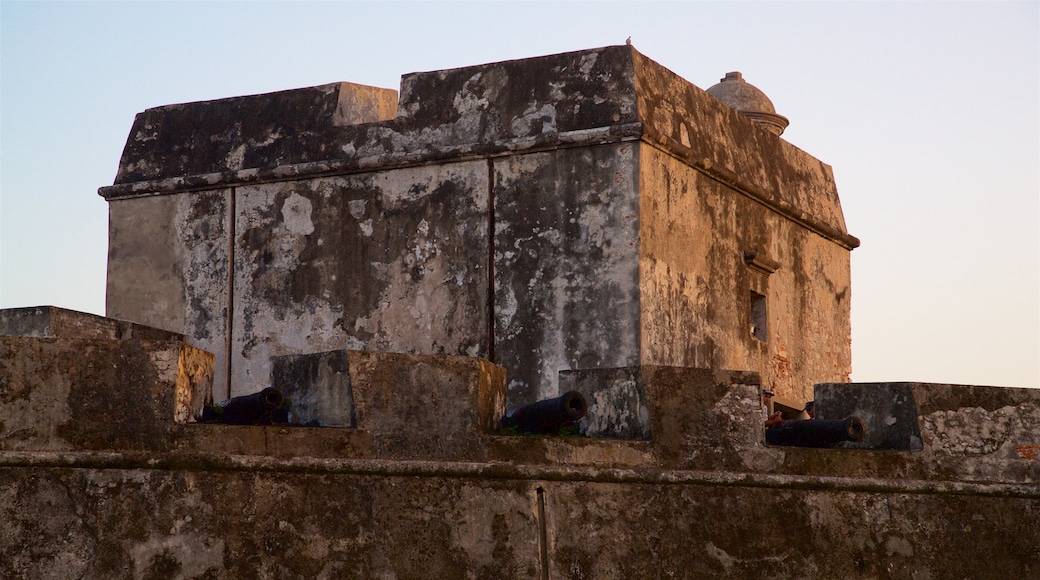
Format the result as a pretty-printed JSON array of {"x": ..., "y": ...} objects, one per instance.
[{"x": 747, "y": 99}]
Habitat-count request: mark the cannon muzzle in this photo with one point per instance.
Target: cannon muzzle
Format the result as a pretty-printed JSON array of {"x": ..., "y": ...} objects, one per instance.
[
  {"x": 816, "y": 432},
  {"x": 256, "y": 409},
  {"x": 547, "y": 416}
]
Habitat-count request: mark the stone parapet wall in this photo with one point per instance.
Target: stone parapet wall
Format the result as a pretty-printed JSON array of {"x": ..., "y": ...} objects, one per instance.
[
  {"x": 959, "y": 432},
  {"x": 101, "y": 478},
  {"x": 119, "y": 521},
  {"x": 126, "y": 396},
  {"x": 238, "y": 133}
]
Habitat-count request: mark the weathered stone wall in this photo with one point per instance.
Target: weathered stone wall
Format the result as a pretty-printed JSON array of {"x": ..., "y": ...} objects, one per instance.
[
  {"x": 566, "y": 264},
  {"x": 392, "y": 261},
  {"x": 715, "y": 190},
  {"x": 696, "y": 283},
  {"x": 120, "y": 487},
  {"x": 287, "y": 523},
  {"x": 396, "y": 261}
]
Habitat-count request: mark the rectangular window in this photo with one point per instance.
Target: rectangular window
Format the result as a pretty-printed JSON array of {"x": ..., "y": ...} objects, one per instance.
[{"x": 758, "y": 316}]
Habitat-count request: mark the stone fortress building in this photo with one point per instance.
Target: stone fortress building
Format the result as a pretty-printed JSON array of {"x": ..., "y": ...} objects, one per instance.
[
  {"x": 406, "y": 268},
  {"x": 580, "y": 211}
]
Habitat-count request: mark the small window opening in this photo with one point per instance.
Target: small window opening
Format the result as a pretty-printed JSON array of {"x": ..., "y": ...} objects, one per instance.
[{"x": 758, "y": 316}]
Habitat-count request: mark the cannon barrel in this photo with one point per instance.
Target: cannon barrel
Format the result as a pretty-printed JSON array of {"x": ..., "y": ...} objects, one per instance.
[
  {"x": 547, "y": 416},
  {"x": 255, "y": 409},
  {"x": 816, "y": 432}
]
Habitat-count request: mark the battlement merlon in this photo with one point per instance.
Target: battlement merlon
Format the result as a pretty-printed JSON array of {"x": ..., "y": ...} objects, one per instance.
[{"x": 592, "y": 96}]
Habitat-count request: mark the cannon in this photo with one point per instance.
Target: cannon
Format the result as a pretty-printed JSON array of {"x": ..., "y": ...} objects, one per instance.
[
  {"x": 262, "y": 408},
  {"x": 548, "y": 416},
  {"x": 816, "y": 432}
]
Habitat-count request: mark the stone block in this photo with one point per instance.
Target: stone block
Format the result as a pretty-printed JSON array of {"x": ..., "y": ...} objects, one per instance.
[
  {"x": 54, "y": 322},
  {"x": 703, "y": 418},
  {"x": 888, "y": 410},
  {"x": 316, "y": 388},
  {"x": 75, "y": 393},
  {"x": 617, "y": 402},
  {"x": 410, "y": 405},
  {"x": 691, "y": 418},
  {"x": 430, "y": 407}
]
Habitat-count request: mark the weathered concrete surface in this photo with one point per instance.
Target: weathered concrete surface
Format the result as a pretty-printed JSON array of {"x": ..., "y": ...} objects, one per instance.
[
  {"x": 695, "y": 283},
  {"x": 648, "y": 531},
  {"x": 566, "y": 267},
  {"x": 168, "y": 264},
  {"x": 391, "y": 261},
  {"x": 316, "y": 387},
  {"x": 575, "y": 211},
  {"x": 54, "y": 322},
  {"x": 427, "y": 407},
  {"x": 617, "y": 402},
  {"x": 189, "y": 524},
  {"x": 888, "y": 410},
  {"x": 58, "y": 393}
]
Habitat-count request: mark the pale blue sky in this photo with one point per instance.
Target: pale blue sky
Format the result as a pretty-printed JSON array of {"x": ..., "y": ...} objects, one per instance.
[{"x": 928, "y": 112}]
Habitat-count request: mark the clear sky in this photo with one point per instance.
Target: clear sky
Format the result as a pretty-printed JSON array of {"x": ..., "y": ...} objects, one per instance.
[{"x": 928, "y": 112}]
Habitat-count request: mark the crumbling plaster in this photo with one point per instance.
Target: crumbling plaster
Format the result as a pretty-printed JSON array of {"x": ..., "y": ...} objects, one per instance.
[
  {"x": 389, "y": 261},
  {"x": 566, "y": 277}
]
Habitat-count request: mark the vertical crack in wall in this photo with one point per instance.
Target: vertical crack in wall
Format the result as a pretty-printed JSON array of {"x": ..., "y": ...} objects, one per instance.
[
  {"x": 491, "y": 262},
  {"x": 230, "y": 328},
  {"x": 543, "y": 536}
]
